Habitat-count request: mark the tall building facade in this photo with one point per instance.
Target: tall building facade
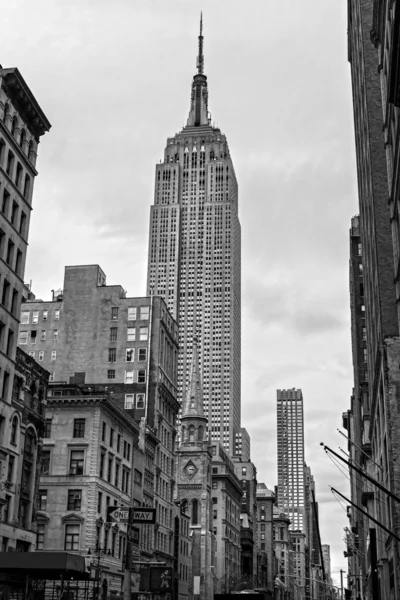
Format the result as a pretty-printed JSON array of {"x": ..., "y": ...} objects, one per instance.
[
  {"x": 194, "y": 258},
  {"x": 290, "y": 438},
  {"x": 22, "y": 124}
]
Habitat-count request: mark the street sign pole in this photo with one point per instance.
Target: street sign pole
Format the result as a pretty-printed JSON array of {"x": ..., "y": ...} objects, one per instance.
[{"x": 128, "y": 562}]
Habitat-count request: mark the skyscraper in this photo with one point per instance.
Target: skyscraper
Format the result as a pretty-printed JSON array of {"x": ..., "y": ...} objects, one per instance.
[
  {"x": 291, "y": 456},
  {"x": 194, "y": 257}
]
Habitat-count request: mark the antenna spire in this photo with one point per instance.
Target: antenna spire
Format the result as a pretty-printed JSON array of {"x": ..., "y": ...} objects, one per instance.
[{"x": 200, "y": 58}]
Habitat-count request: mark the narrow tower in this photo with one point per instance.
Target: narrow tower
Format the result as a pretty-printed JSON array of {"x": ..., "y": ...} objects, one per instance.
[
  {"x": 194, "y": 481},
  {"x": 194, "y": 259}
]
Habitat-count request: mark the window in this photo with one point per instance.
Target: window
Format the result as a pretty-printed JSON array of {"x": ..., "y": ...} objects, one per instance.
[
  {"x": 131, "y": 334},
  {"x": 10, "y": 473},
  {"x": 76, "y": 462},
  {"x": 142, "y": 376},
  {"x": 23, "y": 337},
  {"x": 41, "y": 355},
  {"x": 112, "y": 355},
  {"x": 71, "y": 537},
  {"x": 18, "y": 174},
  {"x": 215, "y": 500},
  {"x": 215, "y": 514},
  {"x": 110, "y": 464},
  {"x": 45, "y": 314},
  {"x": 47, "y": 429},
  {"x": 6, "y": 292},
  {"x": 35, "y": 317},
  {"x": 130, "y": 355},
  {"x": 32, "y": 353},
  {"x": 43, "y": 335},
  {"x": 129, "y": 401},
  {"x": 113, "y": 334},
  {"x": 142, "y": 354},
  {"x": 14, "y": 430},
  {"x": 53, "y": 355},
  {"x": 125, "y": 481},
  {"x": 132, "y": 313},
  {"x": 22, "y": 223},
  {"x": 111, "y": 437},
  {"x": 33, "y": 336},
  {"x": 10, "y": 251},
  {"x": 128, "y": 376},
  {"x": 215, "y": 485},
  {"x": 144, "y": 313},
  {"x": 55, "y": 335},
  {"x": 27, "y": 185},
  {"x": 137, "y": 475},
  {"x": 111, "y": 374},
  {"x": 79, "y": 428},
  {"x": 102, "y": 458},
  {"x": 25, "y": 317},
  {"x": 103, "y": 432},
  {"x": 40, "y": 530},
  {"x": 263, "y": 536},
  {"x": 45, "y": 460},
  {"x": 99, "y": 502},
  {"x": 52, "y": 376},
  {"x": 74, "y": 499},
  {"x": 114, "y": 313},
  {"x": 57, "y": 314},
  {"x": 144, "y": 332},
  {"x": 244, "y": 470},
  {"x": 119, "y": 442},
  {"x": 117, "y": 469},
  {"x": 262, "y": 527},
  {"x": 140, "y": 400},
  {"x": 42, "y": 500}
]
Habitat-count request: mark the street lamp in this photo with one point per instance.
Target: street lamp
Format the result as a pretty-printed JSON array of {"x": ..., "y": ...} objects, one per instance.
[{"x": 98, "y": 552}]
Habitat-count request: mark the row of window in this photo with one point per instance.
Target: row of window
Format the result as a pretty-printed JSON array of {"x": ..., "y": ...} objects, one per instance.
[
  {"x": 72, "y": 535},
  {"x": 25, "y": 316},
  {"x": 12, "y": 258},
  {"x": 135, "y": 401},
  {"x": 124, "y": 448},
  {"x": 141, "y": 313},
  {"x": 32, "y": 353},
  {"x": 15, "y": 174},
  {"x": 23, "y": 336},
  {"x": 15, "y": 210},
  {"x": 129, "y": 354},
  {"x": 27, "y": 146}
]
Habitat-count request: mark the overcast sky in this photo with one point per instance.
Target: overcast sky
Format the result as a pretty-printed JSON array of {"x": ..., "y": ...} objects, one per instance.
[{"x": 113, "y": 78}]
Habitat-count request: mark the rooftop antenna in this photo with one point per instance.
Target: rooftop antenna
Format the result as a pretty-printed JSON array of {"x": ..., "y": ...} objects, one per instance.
[{"x": 200, "y": 58}]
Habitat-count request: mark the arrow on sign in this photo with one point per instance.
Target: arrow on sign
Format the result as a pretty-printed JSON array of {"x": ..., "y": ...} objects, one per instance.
[{"x": 118, "y": 514}]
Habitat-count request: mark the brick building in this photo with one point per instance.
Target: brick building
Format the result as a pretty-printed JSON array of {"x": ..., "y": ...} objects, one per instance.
[
  {"x": 227, "y": 504},
  {"x": 20, "y": 456},
  {"x": 92, "y": 335},
  {"x": 265, "y": 499},
  {"x": 373, "y": 29},
  {"x": 22, "y": 124}
]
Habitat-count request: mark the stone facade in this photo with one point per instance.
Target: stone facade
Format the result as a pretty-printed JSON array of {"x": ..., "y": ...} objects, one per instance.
[
  {"x": 194, "y": 260},
  {"x": 22, "y": 123},
  {"x": 265, "y": 537},
  {"x": 227, "y": 504},
  {"x": 19, "y": 464},
  {"x": 86, "y": 466},
  {"x": 194, "y": 485}
]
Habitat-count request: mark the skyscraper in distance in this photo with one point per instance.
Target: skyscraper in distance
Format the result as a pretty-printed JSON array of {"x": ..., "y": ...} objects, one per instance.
[
  {"x": 194, "y": 259},
  {"x": 290, "y": 438}
]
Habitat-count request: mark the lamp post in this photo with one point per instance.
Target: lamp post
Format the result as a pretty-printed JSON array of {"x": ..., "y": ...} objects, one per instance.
[{"x": 98, "y": 552}]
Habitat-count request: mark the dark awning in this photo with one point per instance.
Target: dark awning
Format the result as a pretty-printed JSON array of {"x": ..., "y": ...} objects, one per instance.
[{"x": 43, "y": 565}]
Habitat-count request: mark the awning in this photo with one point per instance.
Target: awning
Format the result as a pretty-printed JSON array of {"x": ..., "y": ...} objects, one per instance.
[{"x": 43, "y": 565}]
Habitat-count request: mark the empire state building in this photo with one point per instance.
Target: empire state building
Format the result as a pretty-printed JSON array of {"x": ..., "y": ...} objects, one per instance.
[{"x": 194, "y": 259}]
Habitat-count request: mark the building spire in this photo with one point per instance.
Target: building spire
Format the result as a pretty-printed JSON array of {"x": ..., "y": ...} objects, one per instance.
[
  {"x": 200, "y": 57},
  {"x": 198, "y": 114},
  {"x": 193, "y": 404}
]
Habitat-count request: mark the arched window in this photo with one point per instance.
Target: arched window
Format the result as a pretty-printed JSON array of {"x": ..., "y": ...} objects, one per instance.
[
  {"x": 212, "y": 155},
  {"x": 6, "y": 112},
  {"x": 27, "y": 186},
  {"x": 195, "y": 512},
  {"x": 22, "y": 139},
  {"x": 191, "y": 433},
  {"x": 14, "y": 429},
  {"x": 18, "y": 175},
  {"x": 14, "y": 126},
  {"x": 200, "y": 433}
]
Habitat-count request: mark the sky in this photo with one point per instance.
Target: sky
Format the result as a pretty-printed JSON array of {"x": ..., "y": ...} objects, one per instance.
[{"x": 113, "y": 77}]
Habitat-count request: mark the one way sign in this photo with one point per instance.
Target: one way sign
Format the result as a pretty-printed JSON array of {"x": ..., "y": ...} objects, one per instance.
[
  {"x": 144, "y": 515},
  {"x": 118, "y": 514}
]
